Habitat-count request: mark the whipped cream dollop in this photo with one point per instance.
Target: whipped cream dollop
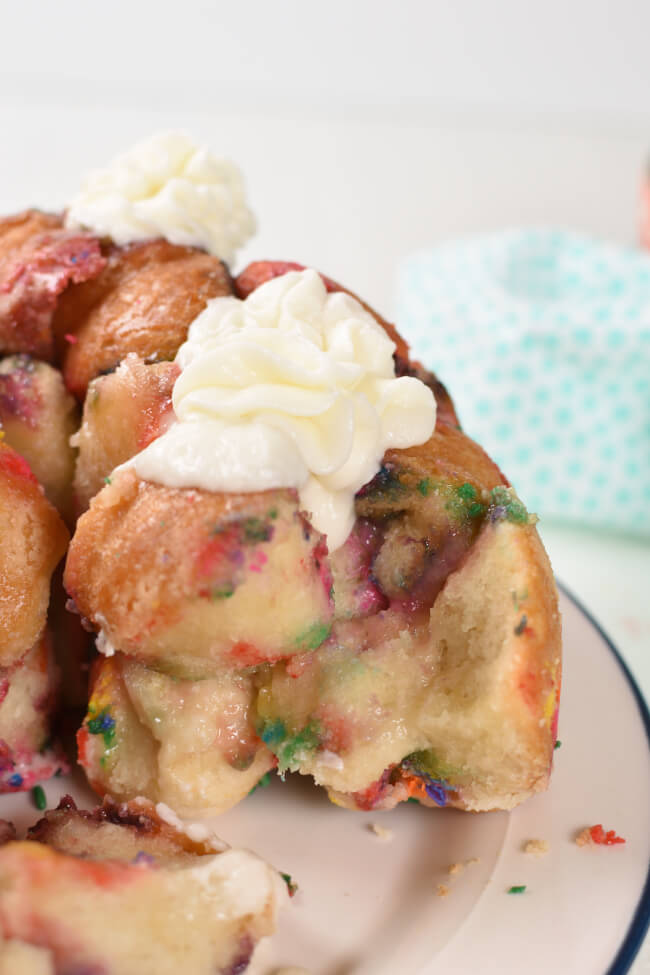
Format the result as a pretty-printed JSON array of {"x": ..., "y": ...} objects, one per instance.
[
  {"x": 167, "y": 187},
  {"x": 292, "y": 387}
]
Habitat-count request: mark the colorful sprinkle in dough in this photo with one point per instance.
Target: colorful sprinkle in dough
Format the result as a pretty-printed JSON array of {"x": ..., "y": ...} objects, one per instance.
[{"x": 39, "y": 798}]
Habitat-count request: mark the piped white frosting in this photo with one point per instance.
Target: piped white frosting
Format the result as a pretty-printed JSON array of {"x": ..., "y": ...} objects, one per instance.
[
  {"x": 166, "y": 186},
  {"x": 292, "y": 387}
]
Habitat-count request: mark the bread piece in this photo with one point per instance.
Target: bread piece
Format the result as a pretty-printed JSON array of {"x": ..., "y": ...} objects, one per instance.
[
  {"x": 189, "y": 744},
  {"x": 122, "y": 892},
  {"x": 434, "y": 672},
  {"x": 193, "y": 582},
  {"x": 38, "y": 417},
  {"x": 32, "y": 540},
  {"x": 27, "y": 698},
  {"x": 458, "y": 710},
  {"x": 38, "y": 261},
  {"x": 143, "y": 301},
  {"x": 123, "y": 412}
]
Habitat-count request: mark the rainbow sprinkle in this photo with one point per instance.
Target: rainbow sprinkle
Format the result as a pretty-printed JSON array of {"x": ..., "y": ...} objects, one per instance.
[{"x": 39, "y": 798}]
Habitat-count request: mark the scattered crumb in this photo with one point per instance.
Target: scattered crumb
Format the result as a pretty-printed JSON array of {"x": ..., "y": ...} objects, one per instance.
[
  {"x": 292, "y": 886},
  {"x": 455, "y": 868},
  {"x": 597, "y": 836},
  {"x": 536, "y": 848},
  {"x": 442, "y": 890},
  {"x": 472, "y": 861},
  {"x": 381, "y": 831}
]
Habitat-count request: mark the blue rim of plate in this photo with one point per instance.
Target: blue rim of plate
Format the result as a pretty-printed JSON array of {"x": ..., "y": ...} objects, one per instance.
[{"x": 641, "y": 919}]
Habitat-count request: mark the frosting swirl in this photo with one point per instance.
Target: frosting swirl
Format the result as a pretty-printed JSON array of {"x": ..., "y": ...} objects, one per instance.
[
  {"x": 292, "y": 387},
  {"x": 167, "y": 187}
]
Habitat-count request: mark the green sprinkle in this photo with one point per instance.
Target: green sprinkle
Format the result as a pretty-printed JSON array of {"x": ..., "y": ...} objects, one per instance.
[
  {"x": 273, "y": 513},
  {"x": 424, "y": 487},
  {"x": 517, "y": 889},
  {"x": 292, "y": 752},
  {"x": 413, "y": 800},
  {"x": 521, "y": 625},
  {"x": 103, "y": 724},
  {"x": 466, "y": 491},
  {"x": 475, "y": 509},
  {"x": 313, "y": 636},
  {"x": 107, "y": 480},
  {"x": 224, "y": 593},
  {"x": 39, "y": 798},
  {"x": 291, "y": 885},
  {"x": 255, "y": 530},
  {"x": 513, "y": 509},
  {"x": 558, "y": 744},
  {"x": 262, "y": 784}
]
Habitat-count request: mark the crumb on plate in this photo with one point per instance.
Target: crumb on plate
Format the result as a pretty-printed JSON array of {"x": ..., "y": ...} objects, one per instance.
[
  {"x": 455, "y": 868},
  {"x": 442, "y": 890},
  {"x": 536, "y": 848},
  {"x": 381, "y": 831},
  {"x": 597, "y": 836}
]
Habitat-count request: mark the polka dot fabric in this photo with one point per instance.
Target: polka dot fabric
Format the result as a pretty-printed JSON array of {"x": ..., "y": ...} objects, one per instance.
[{"x": 543, "y": 338}]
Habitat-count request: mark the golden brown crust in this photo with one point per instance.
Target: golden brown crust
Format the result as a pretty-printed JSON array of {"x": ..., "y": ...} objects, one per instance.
[
  {"x": 114, "y": 831},
  {"x": 39, "y": 259},
  {"x": 143, "y": 302},
  {"x": 17, "y": 229},
  {"x": 171, "y": 574},
  {"x": 38, "y": 416},
  {"x": 32, "y": 541},
  {"x": 123, "y": 412}
]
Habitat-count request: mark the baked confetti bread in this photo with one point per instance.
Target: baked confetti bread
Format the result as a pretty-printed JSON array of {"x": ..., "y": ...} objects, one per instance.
[
  {"x": 418, "y": 657},
  {"x": 28, "y": 694},
  {"x": 39, "y": 259},
  {"x": 84, "y": 302},
  {"x": 189, "y": 744},
  {"x": 38, "y": 416},
  {"x": 169, "y": 901},
  {"x": 32, "y": 541}
]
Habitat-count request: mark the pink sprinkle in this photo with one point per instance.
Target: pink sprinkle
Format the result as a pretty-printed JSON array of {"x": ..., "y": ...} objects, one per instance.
[
  {"x": 72, "y": 339},
  {"x": 260, "y": 560}
]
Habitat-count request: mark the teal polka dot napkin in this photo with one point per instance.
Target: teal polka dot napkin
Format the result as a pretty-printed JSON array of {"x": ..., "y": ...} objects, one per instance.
[{"x": 543, "y": 338}]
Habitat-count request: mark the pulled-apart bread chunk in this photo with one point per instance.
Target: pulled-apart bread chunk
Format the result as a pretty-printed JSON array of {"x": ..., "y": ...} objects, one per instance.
[
  {"x": 189, "y": 744},
  {"x": 123, "y": 412},
  {"x": 142, "y": 302},
  {"x": 420, "y": 658},
  {"x": 38, "y": 416},
  {"x": 39, "y": 259},
  {"x": 120, "y": 891},
  {"x": 32, "y": 540},
  {"x": 192, "y": 581},
  {"x": 28, "y": 690}
]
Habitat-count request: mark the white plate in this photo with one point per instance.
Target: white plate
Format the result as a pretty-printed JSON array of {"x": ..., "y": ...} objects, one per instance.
[{"x": 367, "y": 906}]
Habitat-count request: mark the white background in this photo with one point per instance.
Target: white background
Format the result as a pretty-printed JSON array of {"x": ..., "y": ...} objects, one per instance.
[{"x": 365, "y": 130}]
